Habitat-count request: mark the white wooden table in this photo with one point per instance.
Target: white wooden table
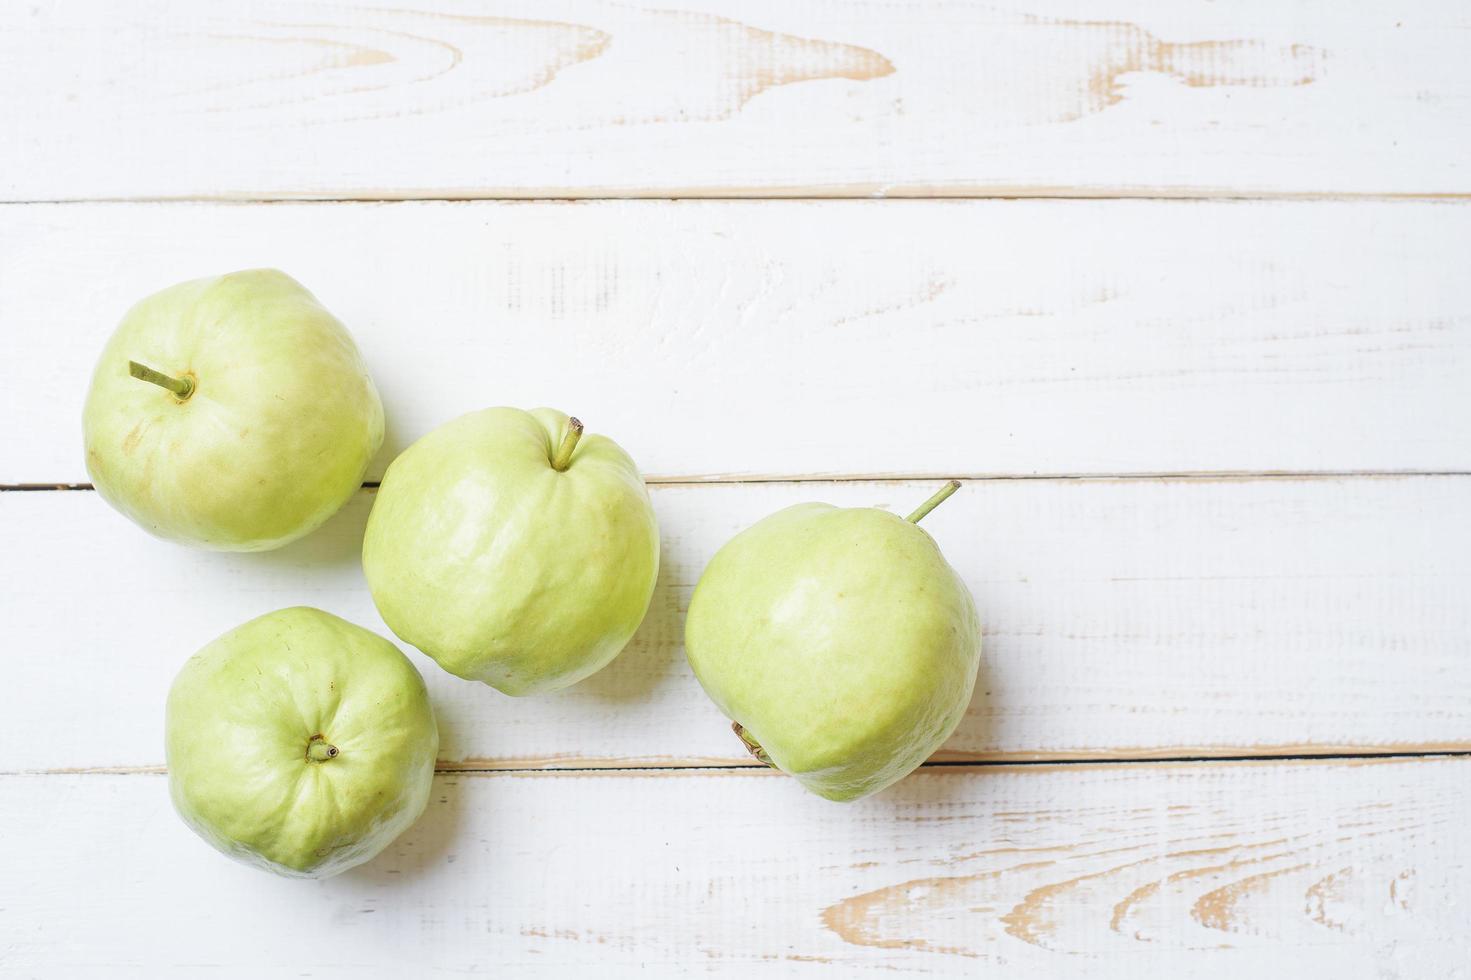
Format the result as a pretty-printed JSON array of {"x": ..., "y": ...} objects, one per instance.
[{"x": 1181, "y": 291}]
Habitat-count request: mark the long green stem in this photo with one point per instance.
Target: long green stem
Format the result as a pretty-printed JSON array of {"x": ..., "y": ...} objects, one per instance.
[
  {"x": 569, "y": 442},
  {"x": 183, "y": 387},
  {"x": 939, "y": 498},
  {"x": 318, "y": 750}
]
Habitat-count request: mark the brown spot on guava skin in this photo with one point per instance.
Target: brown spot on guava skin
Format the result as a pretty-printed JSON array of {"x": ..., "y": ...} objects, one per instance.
[{"x": 131, "y": 440}]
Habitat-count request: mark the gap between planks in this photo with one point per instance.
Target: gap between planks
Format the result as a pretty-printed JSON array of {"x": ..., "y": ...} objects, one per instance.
[
  {"x": 717, "y": 479},
  {"x": 862, "y": 192},
  {"x": 1287, "y": 755}
]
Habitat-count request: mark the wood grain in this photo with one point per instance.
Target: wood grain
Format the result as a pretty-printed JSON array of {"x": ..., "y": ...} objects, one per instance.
[
  {"x": 1122, "y": 619},
  {"x": 1120, "y": 379},
  {"x": 270, "y": 98},
  {"x": 752, "y": 340},
  {"x": 1211, "y": 870}
]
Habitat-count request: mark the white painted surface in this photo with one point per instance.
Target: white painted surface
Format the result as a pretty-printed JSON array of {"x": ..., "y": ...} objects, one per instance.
[
  {"x": 838, "y": 338},
  {"x": 797, "y": 340},
  {"x": 1123, "y": 619},
  {"x": 730, "y": 97},
  {"x": 1215, "y": 870}
]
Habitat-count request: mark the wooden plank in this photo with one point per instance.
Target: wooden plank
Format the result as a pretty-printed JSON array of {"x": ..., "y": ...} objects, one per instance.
[
  {"x": 1123, "y": 619},
  {"x": 721, "y": 340},
  {"x": 1215, "y": 870},
  {"x": 536, "y": 98}
]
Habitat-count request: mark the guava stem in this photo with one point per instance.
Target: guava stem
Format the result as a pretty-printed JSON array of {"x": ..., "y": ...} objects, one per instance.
[
  {"x": 569, "y": 442},
  {"x": 752, "y": 746},
  {"x": 939, "y": 498},
  {"x": 318, "y": 750},
  {"x": 183, "y": 387}
]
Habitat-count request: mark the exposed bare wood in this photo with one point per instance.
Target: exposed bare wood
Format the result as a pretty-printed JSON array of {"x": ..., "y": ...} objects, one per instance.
[
  {"x": 565, "y": 98},
  {"x": 1215, "y": 870},
  {"x": 1124, "y": 619},
  {"x": 720, "y": 341}
]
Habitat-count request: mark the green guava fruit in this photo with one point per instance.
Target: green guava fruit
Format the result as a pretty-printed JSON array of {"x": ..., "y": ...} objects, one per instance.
[
  {"x": 840, "y": 642},
  {"x": 300, "y": 743},
  {"x": 512, "y": 549},
  {"x": 233, "y": 413}
]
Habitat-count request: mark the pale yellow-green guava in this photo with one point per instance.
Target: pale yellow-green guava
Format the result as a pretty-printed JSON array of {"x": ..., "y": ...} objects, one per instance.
[
  {"x": 300, "y": 743},
  {"x": 232, "y": 413},
  {"x": 839, "y": 641},
  {"x": 512, "y": 549}
]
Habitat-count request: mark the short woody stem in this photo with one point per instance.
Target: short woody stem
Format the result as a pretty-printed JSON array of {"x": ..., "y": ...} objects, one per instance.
[
  {"x": 183, "y": 387},
  {"x": 318, "y": 750},
  {"x": 569, "y": 442},
  {"x": 752, "y": 746},
  {"x": 939, "y": 498}
]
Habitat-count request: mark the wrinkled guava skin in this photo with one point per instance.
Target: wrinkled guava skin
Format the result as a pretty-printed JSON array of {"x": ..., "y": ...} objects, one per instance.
[
  {"x": 239, "y": 724},
  {"x": 504, "y": 569},
  {"x": 276, "y": 436},
  {"x": 841, "y": 640}
]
